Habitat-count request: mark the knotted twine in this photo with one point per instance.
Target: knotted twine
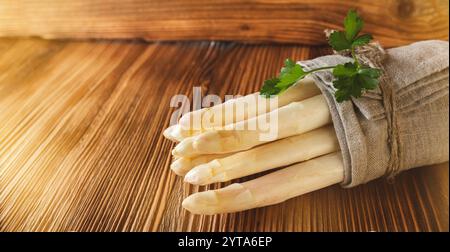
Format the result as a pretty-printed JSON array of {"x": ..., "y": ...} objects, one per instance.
[
  {"x": 400, "y": 125},
  {"x": 373, "y": 55}
]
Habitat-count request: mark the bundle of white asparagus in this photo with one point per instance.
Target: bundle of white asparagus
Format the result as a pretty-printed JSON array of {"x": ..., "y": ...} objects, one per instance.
[
  {"x": 305, "y": 142},
  {"x": 402, "y": 125}
]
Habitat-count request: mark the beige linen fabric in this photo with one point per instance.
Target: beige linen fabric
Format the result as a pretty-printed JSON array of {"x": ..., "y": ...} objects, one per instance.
[{"x": 402, "y": 124}]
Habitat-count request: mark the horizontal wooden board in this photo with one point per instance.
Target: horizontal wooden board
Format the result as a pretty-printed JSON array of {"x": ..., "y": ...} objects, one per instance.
[
  {"x": 81, "y": 147},
  {"x": 392, "y": 22}
]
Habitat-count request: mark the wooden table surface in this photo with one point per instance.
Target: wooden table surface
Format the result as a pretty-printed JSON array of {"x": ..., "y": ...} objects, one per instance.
[
  {"x": 392, "y": 22},
  {"x": 81, "y": 147}
]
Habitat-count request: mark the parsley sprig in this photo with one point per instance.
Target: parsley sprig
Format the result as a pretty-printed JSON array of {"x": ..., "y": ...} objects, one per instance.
[{"x": 351, "y": 79}]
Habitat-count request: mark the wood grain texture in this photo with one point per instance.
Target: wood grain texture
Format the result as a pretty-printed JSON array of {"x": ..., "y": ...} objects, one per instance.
[
  {"x": 81, "y": 147},
  {"x": 392, "y": 22}
]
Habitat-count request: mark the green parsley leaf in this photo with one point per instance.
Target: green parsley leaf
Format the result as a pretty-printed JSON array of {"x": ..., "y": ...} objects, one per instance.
[
  {"x": 351, "y": 82},
  {"x": 367, "y": 83},
  {"x": 338, "y": 41},
  {"x": 341, "y": 95},
  {"x": 351, "y": 79},
  {"x": 345, "y": 40},
  {"x": 346, "y": 88},
  {"x": 370, "y": 72},
  {"x": 362, "y": 40},
  {"x": 352, "y": 25},
  {"x": 269, "y": 87},
  {"x": 348, "y": 69},
  {"x": 369, "y": 77},
  {"x": 288, "y": 63},
  {"x": 289, "y": 74}
]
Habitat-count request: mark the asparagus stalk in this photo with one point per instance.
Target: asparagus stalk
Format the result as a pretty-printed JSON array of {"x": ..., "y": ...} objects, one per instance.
[
  {"x": 269, "y": 156},
  {"x": 183, "y": 165},
  {"x": 176, "y": 133},
  {"x": 251, "y": 103},
  {"x": 293, "y": 119},
  {"x": 284, "y": 184}
]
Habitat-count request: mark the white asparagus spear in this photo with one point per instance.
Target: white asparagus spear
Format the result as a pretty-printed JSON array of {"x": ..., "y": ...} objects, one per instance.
[
  {"x": 172, "y": 133},
  {"x": 305, "y": 88},
  {"x": 176, "y": 133},
  {"x": 293, "y": 119},
  {"x": 269, "y": 156},
  {"x": 270, "y": 189},
  {"x": 183, "y": 165}
]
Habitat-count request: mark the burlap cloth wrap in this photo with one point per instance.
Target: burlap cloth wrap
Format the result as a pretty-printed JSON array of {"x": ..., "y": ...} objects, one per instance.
[{"x": 402, "y": 124}]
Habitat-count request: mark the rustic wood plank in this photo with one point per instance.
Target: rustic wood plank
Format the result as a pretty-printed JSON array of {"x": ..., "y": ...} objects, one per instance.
[
  {"x": 81, "y": 146},
  {"x": 393, "y": 22}
]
